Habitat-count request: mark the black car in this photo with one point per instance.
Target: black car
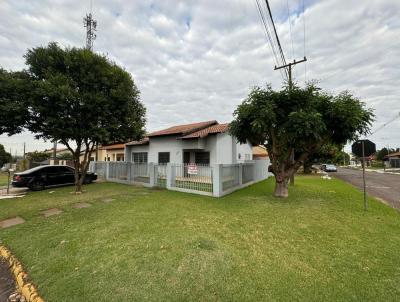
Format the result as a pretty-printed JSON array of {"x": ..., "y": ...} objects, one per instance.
[{"x": 47, "y": 176}]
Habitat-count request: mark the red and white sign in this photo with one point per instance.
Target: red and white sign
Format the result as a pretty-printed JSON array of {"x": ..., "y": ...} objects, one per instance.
[{"x": 193, "y": 169}]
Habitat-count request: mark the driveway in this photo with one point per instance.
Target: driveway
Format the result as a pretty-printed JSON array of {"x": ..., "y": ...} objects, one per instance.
[{"x": 383, "y": 186}]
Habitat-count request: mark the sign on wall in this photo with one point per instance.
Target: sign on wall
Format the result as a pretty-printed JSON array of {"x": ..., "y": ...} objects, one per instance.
[{"x": 193, "y": 169}]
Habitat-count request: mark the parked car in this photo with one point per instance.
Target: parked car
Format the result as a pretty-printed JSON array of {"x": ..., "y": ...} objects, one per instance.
[
  {"x": 328, "y": 168},
  {"x": 48, "y": 176}
]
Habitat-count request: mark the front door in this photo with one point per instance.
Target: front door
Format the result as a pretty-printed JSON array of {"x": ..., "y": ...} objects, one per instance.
[{"x": 186, "y": 157}]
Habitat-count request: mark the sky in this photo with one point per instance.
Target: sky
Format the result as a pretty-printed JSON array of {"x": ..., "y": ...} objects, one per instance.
[{"x": 197, "y": 60}]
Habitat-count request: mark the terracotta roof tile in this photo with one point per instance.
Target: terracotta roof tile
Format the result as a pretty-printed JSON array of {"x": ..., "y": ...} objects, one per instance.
[
  {"x": 183, "y": 129},
  {"x": 112, "y": 147},
  {"x": 260, "y": 151},
  {"x": 393, "y": 154},
  {"x": 219, "y": 128},
  {"x": 144, "y": 141}
]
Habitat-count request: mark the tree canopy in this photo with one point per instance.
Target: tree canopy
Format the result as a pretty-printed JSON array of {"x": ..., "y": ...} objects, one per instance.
[
  {"x": 38, "y": 156},
  {"x": 5, "y": 157},
  {"x": 80, "y": 98},
  {"x": 13, "y": 111},
  {"x": 300, "y": 119}
]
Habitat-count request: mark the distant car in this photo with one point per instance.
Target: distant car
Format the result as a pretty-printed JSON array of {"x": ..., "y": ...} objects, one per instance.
[
  {"x": 42, "y": 177},
  {"x": 328, "y": 168}
]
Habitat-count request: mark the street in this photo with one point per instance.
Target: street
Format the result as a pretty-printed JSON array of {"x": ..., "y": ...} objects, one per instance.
[{"x": 383, "y": 186}]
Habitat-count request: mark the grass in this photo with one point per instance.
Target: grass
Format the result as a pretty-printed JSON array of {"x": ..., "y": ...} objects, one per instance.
[
  {"x": 158, "y": 245},
  {"x": 3, "y": 179}
]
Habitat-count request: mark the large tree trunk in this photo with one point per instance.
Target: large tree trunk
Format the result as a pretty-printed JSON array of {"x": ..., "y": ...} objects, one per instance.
[
  {"x": 281, "y": 188},
  {"x": 307, "y": 167},
  {"x": 78, "y": 184}
]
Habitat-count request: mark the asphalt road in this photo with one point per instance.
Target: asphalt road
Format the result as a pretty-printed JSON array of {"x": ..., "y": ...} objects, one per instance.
[{"x": 384, "y": 186}]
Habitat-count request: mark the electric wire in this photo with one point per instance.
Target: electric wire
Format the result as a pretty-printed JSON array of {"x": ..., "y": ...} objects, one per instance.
[
  {"x": 304, "y": 43},
  {"x": 290, "y": 28},
  {"x": 269, "y": 36},
  {"x": 276, "y": 34}
]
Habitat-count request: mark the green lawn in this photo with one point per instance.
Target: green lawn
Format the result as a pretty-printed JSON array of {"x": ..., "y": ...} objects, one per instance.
[
  {"x": 158, "y": 245},
  {"x": 3, "y": 179}
]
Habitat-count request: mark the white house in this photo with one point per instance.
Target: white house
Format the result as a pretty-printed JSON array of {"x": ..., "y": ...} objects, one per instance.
[{"x": 205, "y": 143}]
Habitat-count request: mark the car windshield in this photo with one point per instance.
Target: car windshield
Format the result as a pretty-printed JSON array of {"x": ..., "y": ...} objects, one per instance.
[
  {"x": 33, "y": 169},
  {"x": 330, "y": 166}
]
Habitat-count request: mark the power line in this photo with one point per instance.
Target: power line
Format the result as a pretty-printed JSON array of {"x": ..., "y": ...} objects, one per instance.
[
  {"x": 304, "y": 43},
  {"x": 268, "y": 34},
  {"x": 290, "y": 27},
  {"x": 387, "y": 123},
  {"x": 276, "y": 33}
]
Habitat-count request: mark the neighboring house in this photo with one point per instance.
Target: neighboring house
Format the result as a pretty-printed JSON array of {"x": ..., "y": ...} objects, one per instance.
[
  {"x": 114, "y": 152},
  {"x": 59, "y": 151},
  {"x": 204, "y": 143},
  {"x": 392, "y": 160},
  {"x": 392, "y": 155},
  {"x": 260, "y": 152}
]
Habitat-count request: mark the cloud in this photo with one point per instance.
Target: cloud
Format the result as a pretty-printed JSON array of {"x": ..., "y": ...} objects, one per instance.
[{"x": 197, "y": 60}]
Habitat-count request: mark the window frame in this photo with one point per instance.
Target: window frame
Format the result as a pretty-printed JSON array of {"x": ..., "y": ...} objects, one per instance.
[
  {"x": 143, "y": 157},
  {"x": 164, "y": 162},
  {"x": 202, "y": 161}
]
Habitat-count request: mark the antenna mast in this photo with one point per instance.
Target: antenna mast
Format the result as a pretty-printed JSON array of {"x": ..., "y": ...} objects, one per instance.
[{"x": 91, "y": 26}]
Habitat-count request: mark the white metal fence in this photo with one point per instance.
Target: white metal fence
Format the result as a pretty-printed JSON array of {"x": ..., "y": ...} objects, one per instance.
[
  {"x": 198, "y": 179},
  {"x": 216, "y": 180}
]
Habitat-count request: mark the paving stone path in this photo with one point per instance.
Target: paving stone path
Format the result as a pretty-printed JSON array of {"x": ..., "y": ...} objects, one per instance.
[
  {"x": 51, "y": 212},
  {"x": 81, "y": 205},
  {"x": 107, "y": 200},
  {"x": 11, "y": 222},
  {"x": 55, "y": 211}
]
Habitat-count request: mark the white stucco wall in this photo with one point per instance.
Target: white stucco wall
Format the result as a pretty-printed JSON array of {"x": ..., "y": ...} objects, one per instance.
[
  {"x": 245, "y": 151},
  {"x": 222, "y": 147}
]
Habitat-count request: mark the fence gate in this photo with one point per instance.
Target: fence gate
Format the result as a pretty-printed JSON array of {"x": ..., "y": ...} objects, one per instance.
[
  {"x": 192, "y": 177},
  {"x": 160, "y": 171}
]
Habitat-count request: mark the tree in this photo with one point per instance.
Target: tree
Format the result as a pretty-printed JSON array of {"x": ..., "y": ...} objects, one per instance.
[
  {"x": 383, "y": 152},
  {"x": 38, "y": 156},
  {"x": 304, "y": 119},
  {"x": 5, "y": 157},
  {"x": 13, "y": 112},
  {"x": 79, "y": 99},
  {"x": 328, "y": 153},
  {"x": 66, "y": 156}
]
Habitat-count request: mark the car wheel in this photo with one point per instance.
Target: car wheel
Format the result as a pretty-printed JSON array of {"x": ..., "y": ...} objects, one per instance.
[{"x": 37, "y": 185}]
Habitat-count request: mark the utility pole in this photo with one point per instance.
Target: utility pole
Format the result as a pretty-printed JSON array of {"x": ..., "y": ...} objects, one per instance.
[
  {"x": 24, "y": 150},
  {"x": 290, "y": 82},
  {"x": 364, "y": 183},
  {"x": 54, "y": 152}
]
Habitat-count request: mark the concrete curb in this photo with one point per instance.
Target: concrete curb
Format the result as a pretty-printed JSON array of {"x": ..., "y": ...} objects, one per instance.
[{"x": 24, "y": 286}]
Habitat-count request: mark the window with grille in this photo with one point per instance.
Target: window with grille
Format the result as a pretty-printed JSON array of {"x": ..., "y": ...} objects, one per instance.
[
  {"x": 139, "y": 157},
  {"x": 163, "y": 157},
  {"x": 202, "y": 158}
]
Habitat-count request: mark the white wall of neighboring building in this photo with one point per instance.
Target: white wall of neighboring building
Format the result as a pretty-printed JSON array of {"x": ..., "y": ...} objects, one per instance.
[
  {"x": 223, "y": 148},
  {"x": 245, "y": 151}
]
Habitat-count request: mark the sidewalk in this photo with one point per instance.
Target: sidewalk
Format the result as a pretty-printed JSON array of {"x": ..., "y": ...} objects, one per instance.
[{"x": 382, "y": 171}]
